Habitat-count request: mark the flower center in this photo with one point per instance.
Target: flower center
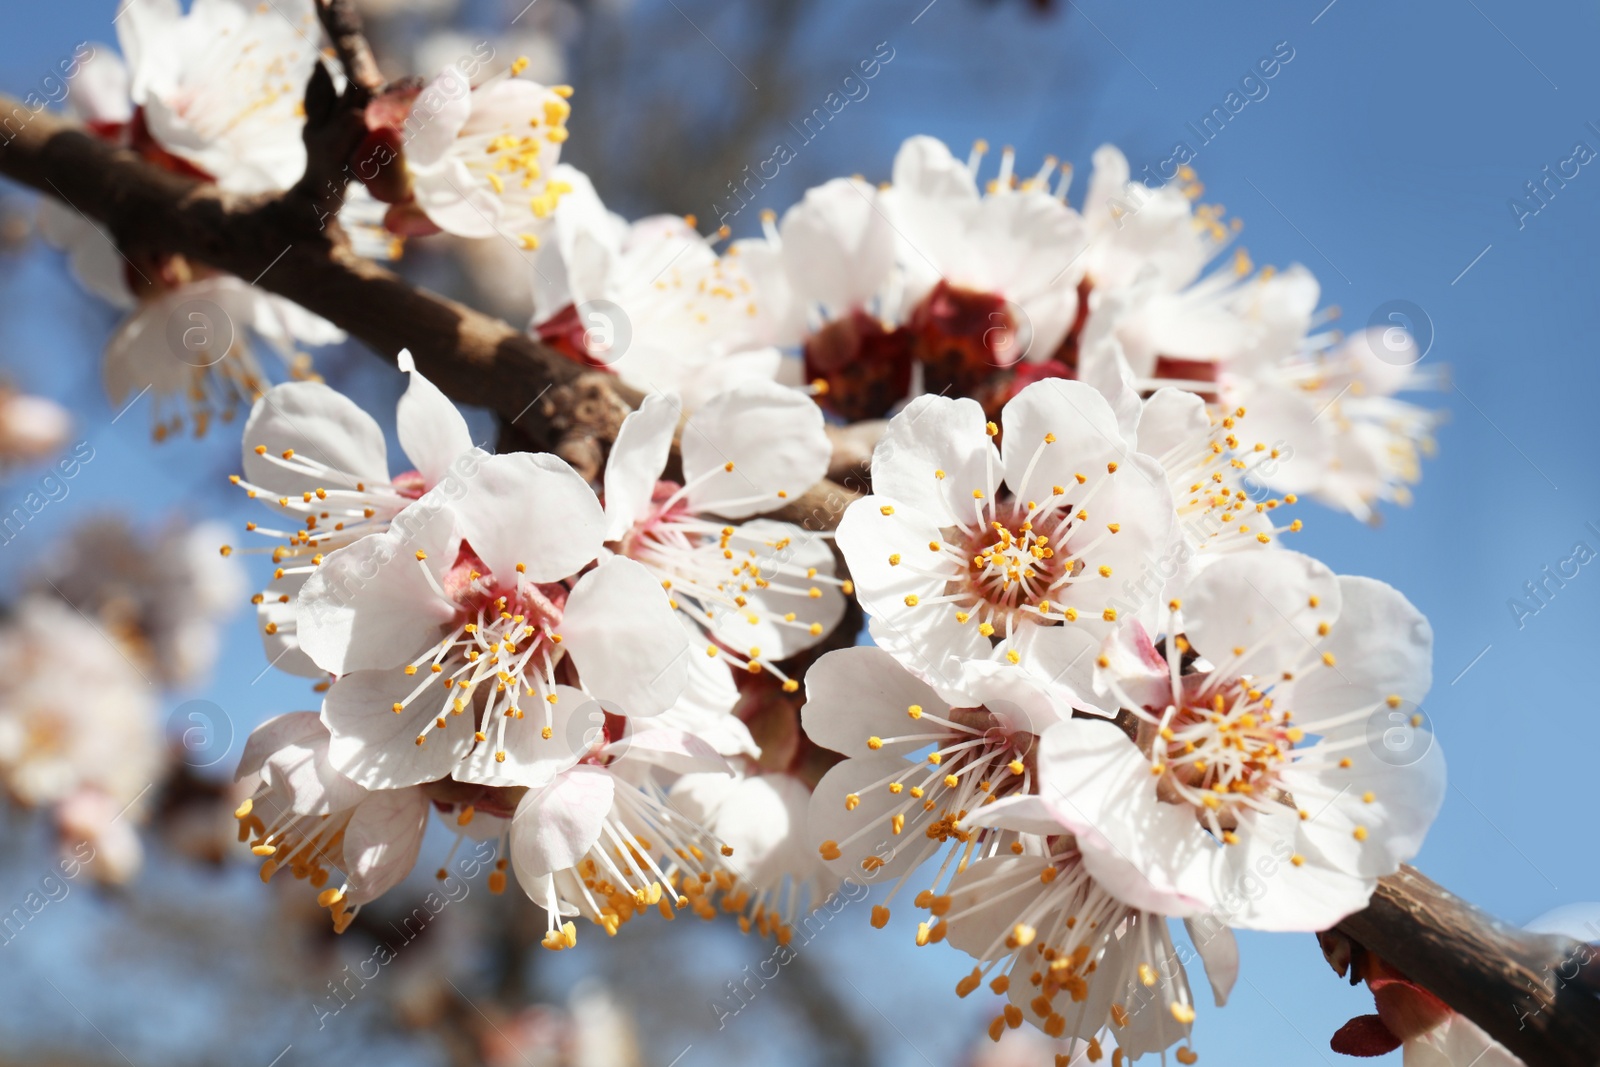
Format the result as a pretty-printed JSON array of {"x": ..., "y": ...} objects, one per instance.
[
  {"x": 1013, "y": 565},
  {"x": 503, "y": 644},
  {"x": 1222, "y": 756}
]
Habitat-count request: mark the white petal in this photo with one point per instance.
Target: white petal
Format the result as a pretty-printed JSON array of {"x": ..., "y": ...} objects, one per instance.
[
  {"x": 674, "y": 750},
  {"x": 838, "y": 247},
  {"x": 772, "y": 435},
  {"x": 382, "y": 841},
  {"x": 760, "y": 624},
  {"x": 924, "y": 636},
  {"x": 764, "y": 821},
  {"x": 556, "y": 825},
  {"x": 1393, "y": 804},
  {"x": 375, "y": 747},
  {"x": 637, "y": 459},
  {"x": 431, "y": 430},
  {"x": 293, "y": 727},
  {"x": 533, "y": 509},
  {"x": 1172, "y": 420},
  {"x": 1219, "y": 951},
  {"x": 856, "y": 693},
  {"x": 297, "y": 768},
  {"x": 1025, "y": 813},
  {"x": 864, "y": 833},
  {"x": 625, "y": 640},
  {"x": 282, "y": 643},
  {"x": 1256, "y": 886},
  {"x": 320, "y": 422},
  {"x": 1084, "y": 428},
  {"x": 1252, "y": 611},
  {"x": 932, "y": 434},
  {"x": 370, "y": 604},
  {"x": 441, "y": 110},
  {"x": 1134, "y": 666},
  {"x": 1022, "y": 702},
  {"x": 1382, "y": 646},
  {"x": 1149, "y": 854},
  {"x": 1285, "y": 420},
  {"x": 533, "y": 760}
]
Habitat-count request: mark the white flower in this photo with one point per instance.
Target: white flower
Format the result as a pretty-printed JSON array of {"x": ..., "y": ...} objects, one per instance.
[
  {"x": 316, "y": 459},
  {"x": 482, "y": 158},
  {"x": 1011, "y": 259},
  {"x": 307, "y": 817},
  {"x": 446, "y": 626},
  {"x": 1137, "y": 233},
  {"x": 774, "y": 876},
  {"x": 1275, "y": 750},
  {"x": 215, "y": 94},
  {"x": 78, "y": 730},
  {"x": 601, "y": 841},
  {"x": 31, "y": 427},
  {"x": 1027, "y": 553},
  {"x": 165, "y": 597},
  {"x": 880, "y": 814},
  {"x": 189, "y": 346},
  {"x": 649, "y": 300},
  {"x": 1014, "y": 888},
  {"x": 221, "y": 87},
  {"x": 1339, "y": 406},
  {"x": 760, "y": 590}
]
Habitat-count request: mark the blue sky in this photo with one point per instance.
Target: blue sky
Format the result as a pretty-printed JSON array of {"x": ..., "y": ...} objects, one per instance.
[{"x": 1384, "y": 156}]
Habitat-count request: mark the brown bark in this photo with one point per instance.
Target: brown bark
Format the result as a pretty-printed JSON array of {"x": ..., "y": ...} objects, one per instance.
[
  {"x": 289, "y": 245},
  {"x": 1534, "y": 993}
]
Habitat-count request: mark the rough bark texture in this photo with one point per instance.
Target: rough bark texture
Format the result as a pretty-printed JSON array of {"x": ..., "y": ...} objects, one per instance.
[{"x": 1535, "y": 994}]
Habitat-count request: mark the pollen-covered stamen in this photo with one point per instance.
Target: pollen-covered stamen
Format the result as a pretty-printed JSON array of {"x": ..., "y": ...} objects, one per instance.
[
  {"x": 712, "y": 569},
  {"x": 971, "y": 760},
  {"x": 1057, "y": 948},
  {"x": 1208, "y": 476},
  {"x": 339, "y": 510},
  {"x": 648, "y": 857},
  {"x": 1221, "y": 755},
  {"x": 216, "y": 390},
  {"x": 1024, "y": 560},
  {"x": 306, "y": 845},
  {"x": 499, "y": 656}
]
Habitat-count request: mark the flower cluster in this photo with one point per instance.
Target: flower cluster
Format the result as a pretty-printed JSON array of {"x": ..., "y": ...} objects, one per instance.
[
  {"x": 1095, "y": 720},
  {"x": 111, "y": 613},
  {"x": 1099, "y": 692},
  {"x": 509, "y": 649}
]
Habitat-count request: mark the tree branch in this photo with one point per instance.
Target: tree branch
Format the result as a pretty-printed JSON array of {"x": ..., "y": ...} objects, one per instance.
[
  {"x": 287, "y": 246},
  {"x": 1533, "y": 993}
]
